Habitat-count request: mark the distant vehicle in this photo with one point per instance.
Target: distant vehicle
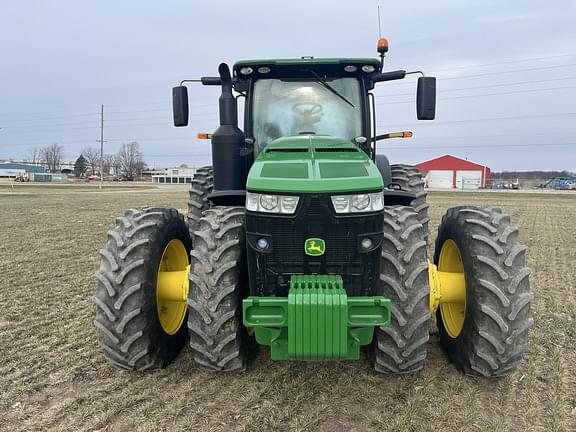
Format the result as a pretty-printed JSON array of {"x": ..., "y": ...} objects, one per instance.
[{"x": 123, "y": 178}]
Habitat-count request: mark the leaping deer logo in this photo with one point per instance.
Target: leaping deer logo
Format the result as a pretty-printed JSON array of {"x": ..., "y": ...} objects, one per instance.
[{"x": 314, "y": 247}]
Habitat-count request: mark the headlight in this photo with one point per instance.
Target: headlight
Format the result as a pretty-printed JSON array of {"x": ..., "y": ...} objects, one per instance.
[
  {"x": 267, "y": 203},
  {"x": 358, "y": 203}
]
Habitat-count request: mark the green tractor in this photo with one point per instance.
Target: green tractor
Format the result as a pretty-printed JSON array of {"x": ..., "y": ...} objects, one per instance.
[{"x": 303, "y": 238}]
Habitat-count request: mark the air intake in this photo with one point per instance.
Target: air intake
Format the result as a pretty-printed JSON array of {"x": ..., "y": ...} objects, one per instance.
[
  {"x": 336, "y": 150},
  {"x": 288, "y": 150}
]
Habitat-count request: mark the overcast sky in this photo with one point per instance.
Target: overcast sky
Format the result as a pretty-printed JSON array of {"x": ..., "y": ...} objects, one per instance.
[{"x": 506, "y": 72}]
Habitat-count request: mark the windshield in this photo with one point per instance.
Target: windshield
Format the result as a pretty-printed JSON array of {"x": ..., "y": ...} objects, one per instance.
[{"x": 291, "y": 107}]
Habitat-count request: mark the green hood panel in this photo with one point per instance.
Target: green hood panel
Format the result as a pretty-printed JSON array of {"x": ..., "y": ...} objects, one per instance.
[{"x": 313, "y": 163}]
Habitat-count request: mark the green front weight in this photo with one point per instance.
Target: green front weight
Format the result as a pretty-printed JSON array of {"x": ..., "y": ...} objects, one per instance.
[{"x": 317, "y": 321}]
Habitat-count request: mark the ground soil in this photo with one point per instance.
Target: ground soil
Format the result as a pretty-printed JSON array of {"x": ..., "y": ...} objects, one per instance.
[{"x": 54, "y": 377}]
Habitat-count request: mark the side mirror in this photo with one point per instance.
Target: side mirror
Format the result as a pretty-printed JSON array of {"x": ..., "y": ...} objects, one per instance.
[
  {"x": 180, "y": 105},
  {"x": 426, "y": 98}
]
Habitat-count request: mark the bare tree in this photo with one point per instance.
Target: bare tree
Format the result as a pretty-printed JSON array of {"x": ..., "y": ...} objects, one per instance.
[
  {"x": 92, "y": 156},
  {"x": 109, "y": 164},
  {"x": 33, "y": 156},
  {"x": 130, "y": 159},
  {"x": 52, "y": 156}
]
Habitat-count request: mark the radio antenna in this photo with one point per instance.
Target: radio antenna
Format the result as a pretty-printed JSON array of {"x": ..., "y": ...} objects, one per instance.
[{"x": 379, "y": 24}]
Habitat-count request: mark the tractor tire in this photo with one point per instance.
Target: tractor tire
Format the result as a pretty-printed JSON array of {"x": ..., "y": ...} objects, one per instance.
[
  {"x": 218, "y": 283},
  {"x": 401, "y": 346},
  {"x": 202, "y": 185},
  {"x": 409, "y": 178},
  {"x": 384, "y": 167},
  {"x": 127, "y": 318},
  {"x": 494, "y": 335}
]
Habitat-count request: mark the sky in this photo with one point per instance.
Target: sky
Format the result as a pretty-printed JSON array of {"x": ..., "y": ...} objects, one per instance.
[{"x": 506, "y": 72}]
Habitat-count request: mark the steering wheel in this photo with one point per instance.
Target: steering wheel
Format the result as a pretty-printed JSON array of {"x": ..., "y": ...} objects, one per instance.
[{"x": 307, "y": 109}]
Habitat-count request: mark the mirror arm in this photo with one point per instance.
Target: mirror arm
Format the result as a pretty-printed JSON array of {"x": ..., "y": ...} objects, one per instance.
[
  {"x": 416, "y": 72},
  {"x": 189, "y": 80},
  {"x": 206, "y": 81}
]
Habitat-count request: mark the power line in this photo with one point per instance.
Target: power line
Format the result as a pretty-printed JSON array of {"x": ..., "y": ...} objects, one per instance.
[
  {"x": 482, "y": 146},
  {"x": 482, "y": 87},
  {"x": 191, "y": 138},
  {"x": 483, "y": 95},
  {"x": 505, "y": 62},
  {"x": 437, "y": 123},
  {"x": 491, "y": 73},
  {"x": 167, "y": 107},
  {"x": 442, "y": 123},
  {"x": 511, "y": 71},
  {"x": 193, "y": 115},
  {"x": 212, "y": 116},
  {"x": 93, "y": 127},
  {"x": 48, "y": 118},
  {"x": 209, "y": 115},
  {"x": 166, "y": 103}
]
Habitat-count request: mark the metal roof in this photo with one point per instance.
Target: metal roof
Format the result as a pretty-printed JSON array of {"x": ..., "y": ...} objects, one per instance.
[{"x": 22, "y": 166}]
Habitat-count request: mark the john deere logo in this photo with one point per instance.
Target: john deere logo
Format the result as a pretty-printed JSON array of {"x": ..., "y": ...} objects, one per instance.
[{"x": 314, "y": 247}]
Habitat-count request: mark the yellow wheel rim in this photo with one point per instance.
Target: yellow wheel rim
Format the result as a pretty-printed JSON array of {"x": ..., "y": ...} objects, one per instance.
[
  {"x": 172, "y": 286},
  {"x": 453, "y": 314}
]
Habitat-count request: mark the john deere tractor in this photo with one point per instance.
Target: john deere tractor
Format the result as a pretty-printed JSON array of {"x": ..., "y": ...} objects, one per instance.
[{"x": 302, "y": 237}]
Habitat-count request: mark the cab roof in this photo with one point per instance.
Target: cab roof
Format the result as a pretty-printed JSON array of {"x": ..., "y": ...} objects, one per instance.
[{"x": 299, "y": 66}]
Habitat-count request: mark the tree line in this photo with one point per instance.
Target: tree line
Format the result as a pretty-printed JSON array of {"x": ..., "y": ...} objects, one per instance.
[{"x": 128, "y": 161}]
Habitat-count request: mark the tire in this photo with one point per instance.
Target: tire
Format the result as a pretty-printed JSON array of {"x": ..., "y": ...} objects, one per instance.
[
  {"x": 384, "y": 167},
  {"x": 202, "y": 185},
  {"x": 410, "y": 179},
  {"x": 218, "y": 283},
  {"x": 494, "y": 336},
  {"x": 401, "y": 346},
  {"x": 129, "y": 330}
]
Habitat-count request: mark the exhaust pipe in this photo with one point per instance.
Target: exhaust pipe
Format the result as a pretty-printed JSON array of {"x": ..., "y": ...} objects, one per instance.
[
  {"x": 227, "y": 101},
  {"x": 230, "y": 167}
]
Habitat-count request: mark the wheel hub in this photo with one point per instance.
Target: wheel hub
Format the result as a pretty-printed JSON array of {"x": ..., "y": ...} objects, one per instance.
[
  {"x": 448, "y": 288},
  {"x": 172, "y": 286}
]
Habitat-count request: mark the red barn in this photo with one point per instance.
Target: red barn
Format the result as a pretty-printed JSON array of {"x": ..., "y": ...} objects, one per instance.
[{"x": 453, "y": 172}]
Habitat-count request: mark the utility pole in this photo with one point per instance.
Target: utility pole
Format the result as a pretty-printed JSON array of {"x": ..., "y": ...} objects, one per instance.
[{"x": 101, "y": 146}]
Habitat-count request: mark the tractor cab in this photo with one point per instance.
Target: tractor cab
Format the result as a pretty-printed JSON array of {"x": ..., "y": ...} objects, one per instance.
[
  {"x": 314, "y": 97},
  {"x": 305, "y": 96}
]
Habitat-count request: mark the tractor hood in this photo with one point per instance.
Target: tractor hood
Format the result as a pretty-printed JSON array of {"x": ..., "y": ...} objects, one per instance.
[{"x": 313, "y": 164}]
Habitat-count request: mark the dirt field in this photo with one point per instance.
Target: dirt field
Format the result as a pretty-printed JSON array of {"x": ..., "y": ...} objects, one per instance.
[{"x": 53, "y": 377}]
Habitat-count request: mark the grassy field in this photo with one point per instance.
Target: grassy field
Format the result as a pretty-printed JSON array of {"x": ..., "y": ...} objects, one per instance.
[
  {"x": 53, "y": 376},
  {"x": 49, "y": 188}
]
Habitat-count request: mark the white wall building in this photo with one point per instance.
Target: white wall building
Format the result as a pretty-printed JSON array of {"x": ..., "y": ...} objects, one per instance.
[{"x": 174, "y": 176}]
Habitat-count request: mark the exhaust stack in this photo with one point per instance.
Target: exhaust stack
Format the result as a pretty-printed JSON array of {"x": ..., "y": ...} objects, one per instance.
[{"x": 230, "y": 167}]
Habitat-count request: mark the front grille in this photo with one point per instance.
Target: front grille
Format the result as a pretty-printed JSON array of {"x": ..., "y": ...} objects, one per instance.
[{"x": 270, "y": 272}]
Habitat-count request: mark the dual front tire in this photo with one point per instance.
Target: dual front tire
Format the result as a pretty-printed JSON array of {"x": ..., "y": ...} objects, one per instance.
[
  {"x": 484, "y": 328},
  {"x": 139, "y": 323},
  {"x": 487, "y": 335}
]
